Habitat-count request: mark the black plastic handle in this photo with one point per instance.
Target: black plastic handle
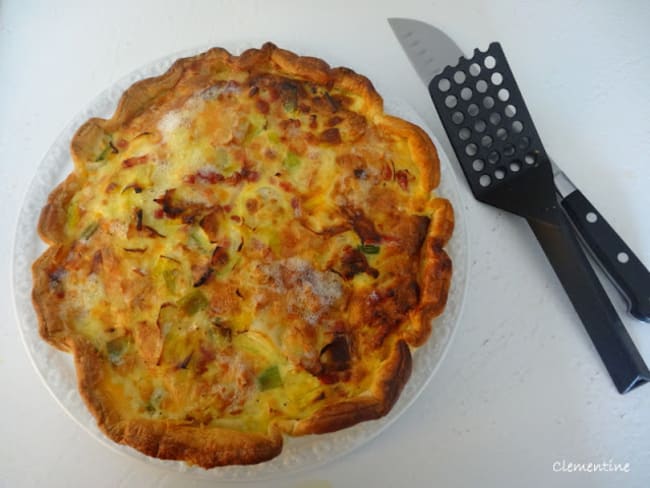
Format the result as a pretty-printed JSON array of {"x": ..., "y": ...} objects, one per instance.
[
  {"x": 619, "y": 354},
  {"x": 625, "y": 269}
]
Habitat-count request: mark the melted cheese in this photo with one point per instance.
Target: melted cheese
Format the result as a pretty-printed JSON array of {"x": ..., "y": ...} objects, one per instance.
[{"x": 212, "y": 246}]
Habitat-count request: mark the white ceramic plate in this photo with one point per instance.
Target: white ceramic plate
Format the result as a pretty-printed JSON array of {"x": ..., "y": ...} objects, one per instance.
[{"x": 57, "y": 369}]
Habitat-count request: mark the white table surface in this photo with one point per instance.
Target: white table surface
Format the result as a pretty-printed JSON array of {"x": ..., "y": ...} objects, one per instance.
[{"x": 521, "y": 387}]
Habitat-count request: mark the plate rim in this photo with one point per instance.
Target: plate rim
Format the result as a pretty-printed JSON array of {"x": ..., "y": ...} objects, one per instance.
[{"x": 461, "y": 233}]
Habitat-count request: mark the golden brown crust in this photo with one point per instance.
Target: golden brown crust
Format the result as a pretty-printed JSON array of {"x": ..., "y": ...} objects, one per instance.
[
  {"x": 390, "y": 382},
  {"x": 51, "y": 223},
  {"x": 45, "y": 300},
  {"x": 167, "y": 439},
  {"x": 422, "y": 150},
  {"x": 207, "y": 448},
  {"x": 214, "y": 446},
  {"x": 434, "y": 272},
  {"x": 305, "y": 67}
]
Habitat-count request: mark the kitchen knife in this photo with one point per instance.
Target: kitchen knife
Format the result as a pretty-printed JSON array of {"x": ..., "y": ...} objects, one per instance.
[
  {"x": 506, "y": 166},
  {"x": 430, "y": 50},
  {"x": 618, "y": 261}
]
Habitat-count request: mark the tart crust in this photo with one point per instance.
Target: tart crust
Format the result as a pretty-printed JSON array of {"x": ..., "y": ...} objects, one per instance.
[{"x": 206, "y": 445}]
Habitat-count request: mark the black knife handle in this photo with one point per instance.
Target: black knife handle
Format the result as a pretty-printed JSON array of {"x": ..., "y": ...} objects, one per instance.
[
  {"x": 619, "y": 354},
  {"x": 625, "y": 269}
]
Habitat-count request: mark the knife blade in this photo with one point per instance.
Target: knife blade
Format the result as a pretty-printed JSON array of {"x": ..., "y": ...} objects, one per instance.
[
  {"x": 430, "y": 50},
  {"x": 417, "y": 39}
]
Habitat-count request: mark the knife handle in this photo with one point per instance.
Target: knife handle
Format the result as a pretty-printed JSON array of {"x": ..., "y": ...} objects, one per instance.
[
  {"x": 623, "y": 267},
  {"x": 619, "y": 354}
]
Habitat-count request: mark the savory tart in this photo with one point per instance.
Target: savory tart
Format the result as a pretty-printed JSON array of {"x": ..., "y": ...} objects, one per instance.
[{"x": 249, "y": 247}]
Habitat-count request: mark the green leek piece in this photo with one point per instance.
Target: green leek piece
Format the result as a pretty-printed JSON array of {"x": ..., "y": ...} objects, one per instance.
[
  {"x": 89, "y": 231},
  {"x": 102, "y": 155},
  {"x": 193, "y": 302},
  {"x": 369, "y": 249},
  {"x": 200, "y": 239},
  {"x": 291, "y": 161},
  {"x": 269, "y": 378}
]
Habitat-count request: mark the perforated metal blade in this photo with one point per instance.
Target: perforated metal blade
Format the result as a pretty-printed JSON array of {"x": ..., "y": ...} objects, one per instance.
[
  {"x": 506, "y": 165},
  {"x": 493, "y": 135}
]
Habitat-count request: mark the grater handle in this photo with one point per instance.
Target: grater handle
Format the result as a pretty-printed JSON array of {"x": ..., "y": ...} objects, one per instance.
[
  {"x": 616, "y": 258},
  {"x": 621, "y": 358}
]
